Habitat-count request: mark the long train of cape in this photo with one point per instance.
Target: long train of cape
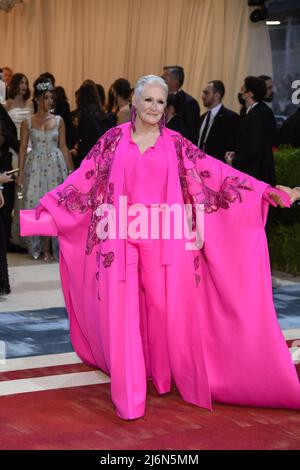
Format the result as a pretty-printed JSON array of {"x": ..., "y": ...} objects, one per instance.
[{"x": 224, "y": 340}]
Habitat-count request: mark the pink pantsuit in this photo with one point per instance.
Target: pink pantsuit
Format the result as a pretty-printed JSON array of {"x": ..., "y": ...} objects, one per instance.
[{"x": 150, "y": 308}]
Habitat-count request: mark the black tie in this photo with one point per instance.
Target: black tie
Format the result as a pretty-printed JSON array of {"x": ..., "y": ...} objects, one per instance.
[{"x": 203, "y": 136}]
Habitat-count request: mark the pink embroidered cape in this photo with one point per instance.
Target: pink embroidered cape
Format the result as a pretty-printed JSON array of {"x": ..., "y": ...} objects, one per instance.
[{"x": 224, "y": 341}]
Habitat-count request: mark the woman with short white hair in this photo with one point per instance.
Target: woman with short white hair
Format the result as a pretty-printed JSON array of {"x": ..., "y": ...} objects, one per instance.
[{"x": 142, "y": 303}]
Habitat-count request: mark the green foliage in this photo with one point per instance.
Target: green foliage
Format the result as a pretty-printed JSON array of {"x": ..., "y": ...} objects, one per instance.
[
  {"x": 284, "y": 224},
  {"x": 284, "y": 244}
]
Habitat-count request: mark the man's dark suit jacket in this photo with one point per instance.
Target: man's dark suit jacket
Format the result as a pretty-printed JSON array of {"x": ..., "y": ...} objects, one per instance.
[
  {"x": 223, "y": 134},
  {"x": 9, "y": 133},
  {"x": 254, "y": 154},
  {"x": 91, "y": 127},
  {"x": 290, "y": 130},
  {"x": 190, "y": 113},
  {"x": 62, "y": 108}
]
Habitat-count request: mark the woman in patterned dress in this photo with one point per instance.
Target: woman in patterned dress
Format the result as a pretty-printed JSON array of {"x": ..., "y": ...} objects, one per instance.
[{"x": 47, "y": 164}]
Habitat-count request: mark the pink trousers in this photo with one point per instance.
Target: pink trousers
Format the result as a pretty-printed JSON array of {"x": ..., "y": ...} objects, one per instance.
[{"x": 143, "y": 265}]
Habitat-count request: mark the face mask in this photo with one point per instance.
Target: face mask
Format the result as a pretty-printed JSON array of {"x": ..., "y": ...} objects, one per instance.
[
  {"x": 242, "y": 101},
  {"x": 269, "y": 99}
]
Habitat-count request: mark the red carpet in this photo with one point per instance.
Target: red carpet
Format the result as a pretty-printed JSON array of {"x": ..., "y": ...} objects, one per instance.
[
  {"x": 84, "y": 418},
  {"x": 44, "y": 371}
]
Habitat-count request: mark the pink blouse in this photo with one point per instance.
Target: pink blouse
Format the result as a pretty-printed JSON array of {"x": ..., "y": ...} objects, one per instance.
[{"x": 146, "y": 174}]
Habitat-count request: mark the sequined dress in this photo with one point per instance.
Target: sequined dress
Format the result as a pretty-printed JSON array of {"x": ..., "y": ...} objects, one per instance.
[{"x": 45, "y": 168}]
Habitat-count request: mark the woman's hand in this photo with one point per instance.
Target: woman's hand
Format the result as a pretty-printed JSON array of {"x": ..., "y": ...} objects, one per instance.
[
  {"x": 229, "y": 157},
  {"x": 5, "y": 178},
  {"x": 19, "y": 179},
  {"x": 73, "y": 152},
  {"x": 293, "y": 193},
  {"x": 1, "y": 200},
  {"x": 276, "y": 197}
]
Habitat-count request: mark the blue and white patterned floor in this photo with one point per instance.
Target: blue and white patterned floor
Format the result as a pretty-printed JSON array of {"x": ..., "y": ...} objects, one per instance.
[
  {"x": 35, "y": 332},
  {"x": 35, "y": 350},
  {"x": 33, "y": 320},
  {"x": 287, "y": 304}
]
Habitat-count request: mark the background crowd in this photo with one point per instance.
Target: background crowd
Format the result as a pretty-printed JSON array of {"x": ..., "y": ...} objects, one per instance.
[{"x": 45, "y": 140}]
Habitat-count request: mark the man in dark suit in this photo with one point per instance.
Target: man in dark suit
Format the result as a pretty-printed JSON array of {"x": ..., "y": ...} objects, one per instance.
[
  {"x": 270, "y": 89},
  {"x": 268, "y": 99},
  {"x": 7, "y": 76},
  {"x": 10, "y": 139},
  {"x": 219, "y": 127},
  {"x": 290, "y": 130},
  {"x": 254, "y": 154},
  {"x": 174, "y": 78}
]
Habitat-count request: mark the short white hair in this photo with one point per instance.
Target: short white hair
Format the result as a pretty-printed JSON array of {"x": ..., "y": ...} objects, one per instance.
[{"x": 147, "y": 80}]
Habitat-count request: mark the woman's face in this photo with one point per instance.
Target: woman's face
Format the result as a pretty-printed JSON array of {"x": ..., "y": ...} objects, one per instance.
[
  {"x": 46, "y": 101},
  {"x": 246, "y": 94},
  {"x": 151, "y": 103},
  {"x": 23, "y": 86}
]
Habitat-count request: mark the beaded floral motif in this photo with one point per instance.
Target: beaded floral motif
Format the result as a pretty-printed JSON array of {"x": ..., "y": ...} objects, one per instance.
[
  {"x": 229, "y": 192},
  {"x": 197, "y": 262},
  {"x": 108, "y": 259},
  {"x": 102, "y": 190},
  {"x": 110, "y": 194},
  {"x": 179, "y": 143},
  {"x": 196, "y": 267},
  {"x": 89, "y": 174},
  {"x": 73, "y": 199},
  {"x": 192, "y": 153},
  {"x": 96, "y": 149}
]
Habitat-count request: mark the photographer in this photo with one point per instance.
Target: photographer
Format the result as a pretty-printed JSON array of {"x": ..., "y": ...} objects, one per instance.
[{"x": 4, "y": 281}]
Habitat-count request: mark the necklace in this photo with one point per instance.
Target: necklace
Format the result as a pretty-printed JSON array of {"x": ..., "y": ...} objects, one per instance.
[{"x": 42, "y": 121}]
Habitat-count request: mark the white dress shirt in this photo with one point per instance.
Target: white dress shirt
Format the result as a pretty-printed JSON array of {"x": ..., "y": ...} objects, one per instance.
[
  {"x": 251, "y": 107},
  {"x": 213, "y": 112}
]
